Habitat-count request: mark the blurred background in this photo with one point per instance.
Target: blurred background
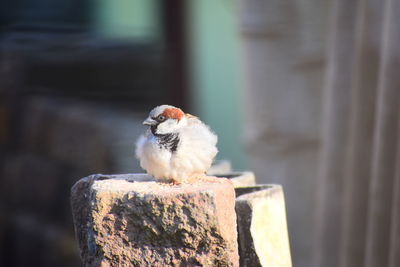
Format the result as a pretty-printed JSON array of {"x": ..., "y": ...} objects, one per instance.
[{"x": 304, "y": 93}]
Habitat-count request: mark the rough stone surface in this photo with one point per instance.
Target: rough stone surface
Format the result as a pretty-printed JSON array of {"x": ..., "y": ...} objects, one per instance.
[
  {"x": 262, "y": 228},
  {"x": 127, "y": 220}
]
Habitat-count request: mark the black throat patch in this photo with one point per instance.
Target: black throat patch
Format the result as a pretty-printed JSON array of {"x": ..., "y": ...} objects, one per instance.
[{"x": 169, "y": 141}]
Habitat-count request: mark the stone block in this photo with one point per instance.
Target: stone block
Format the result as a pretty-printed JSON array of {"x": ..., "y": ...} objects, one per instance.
[
  {"x": 220, "y": 167},
  {"x": 262, "y": 228},
  {"x": 127, "y": 220},
  {"x": 240, "y": 179}
]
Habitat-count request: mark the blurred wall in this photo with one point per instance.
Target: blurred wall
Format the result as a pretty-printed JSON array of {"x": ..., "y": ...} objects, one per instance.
[
  {"x": 358, "y": 222},
  {"x": 76, "y": 81}
]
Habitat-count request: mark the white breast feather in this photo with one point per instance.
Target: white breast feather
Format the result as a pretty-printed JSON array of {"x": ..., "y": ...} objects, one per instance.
[{"x": 194, "y": 155}]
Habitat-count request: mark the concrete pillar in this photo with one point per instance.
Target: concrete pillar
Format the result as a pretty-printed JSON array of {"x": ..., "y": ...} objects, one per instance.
[{"x": 262, "y": 228}]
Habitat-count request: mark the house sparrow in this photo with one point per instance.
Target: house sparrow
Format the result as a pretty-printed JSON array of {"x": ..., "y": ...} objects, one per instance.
[{"x": 177, "y": 147}]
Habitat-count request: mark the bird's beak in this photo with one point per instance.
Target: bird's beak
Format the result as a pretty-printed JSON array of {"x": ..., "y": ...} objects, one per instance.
[{"x": 149, "y": 121}]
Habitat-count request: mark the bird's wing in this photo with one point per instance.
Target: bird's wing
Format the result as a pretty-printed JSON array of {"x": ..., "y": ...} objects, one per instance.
[
  {"x": 192, "y": 119},
  {"x": 190, "y": 116}
]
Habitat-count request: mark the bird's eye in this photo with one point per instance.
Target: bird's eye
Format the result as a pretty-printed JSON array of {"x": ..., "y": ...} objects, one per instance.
[{"x": 161, "y": 118}]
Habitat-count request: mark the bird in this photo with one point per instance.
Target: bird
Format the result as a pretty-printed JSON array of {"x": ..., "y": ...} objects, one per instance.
[{"x": 177, "y": 147}]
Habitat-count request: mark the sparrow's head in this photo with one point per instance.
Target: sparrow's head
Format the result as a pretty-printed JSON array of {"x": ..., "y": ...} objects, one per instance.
[{"x": 165, "y": 119}]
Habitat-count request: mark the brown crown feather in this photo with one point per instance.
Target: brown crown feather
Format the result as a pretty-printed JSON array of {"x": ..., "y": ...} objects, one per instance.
[{"x": 173, "y": 113}]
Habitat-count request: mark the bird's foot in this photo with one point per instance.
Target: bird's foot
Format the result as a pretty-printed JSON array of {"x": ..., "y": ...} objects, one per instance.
[{"x": 173, "y": 182}]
